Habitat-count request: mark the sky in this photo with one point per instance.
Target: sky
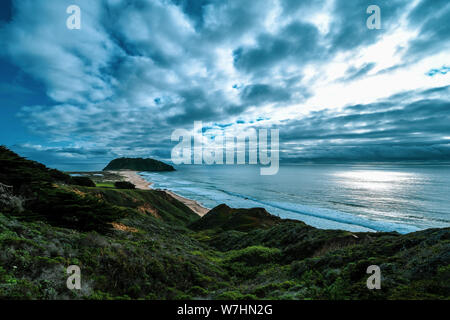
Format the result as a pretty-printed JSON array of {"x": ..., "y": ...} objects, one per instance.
[{"x": 138, "y": 70}]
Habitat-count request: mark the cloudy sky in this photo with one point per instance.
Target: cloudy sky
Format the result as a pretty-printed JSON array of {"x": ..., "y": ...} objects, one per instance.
[{"x": 138, "y": 70}]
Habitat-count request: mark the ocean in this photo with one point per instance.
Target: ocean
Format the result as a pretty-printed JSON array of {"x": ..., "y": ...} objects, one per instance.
[{"x": 402, "y": 198}]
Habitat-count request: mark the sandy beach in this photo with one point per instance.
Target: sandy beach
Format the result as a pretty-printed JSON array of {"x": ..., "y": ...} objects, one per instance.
[
  {"x": 134, "y": 178},
  {"x": 192, "y": 204},
  {"x": 141, "y": 183}
]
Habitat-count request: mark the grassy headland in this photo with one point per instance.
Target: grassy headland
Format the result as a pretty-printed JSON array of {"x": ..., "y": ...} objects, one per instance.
[{"x": 145, "y": 244}]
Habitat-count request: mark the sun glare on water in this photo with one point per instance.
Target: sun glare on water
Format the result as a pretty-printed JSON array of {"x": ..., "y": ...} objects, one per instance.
[{"x": 374, "y": 180}]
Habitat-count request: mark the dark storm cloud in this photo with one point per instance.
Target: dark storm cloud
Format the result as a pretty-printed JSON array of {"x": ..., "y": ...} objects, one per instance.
[
  {"x": 348, "y": 29},
  {"x": 305, "y": 6},
  {"x": 433, "y": 17},
  {"x": 427, "y": 9},
  {"x": 197, "y": 104},
  {"x": 296, "y": 43},
  {"x": 195, "y": 9},
  {"x": 259, "y": 93}
]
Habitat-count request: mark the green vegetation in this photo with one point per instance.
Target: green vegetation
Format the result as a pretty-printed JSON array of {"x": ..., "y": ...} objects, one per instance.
[
  {"x": 124, "y": 185},
  {"x": 102, "y": 177},
  {"x": 225, "y": 218},
  {"x": 138, "y": 164},
  {"x": 144, "y": 244},
  {"x": 105, "y": 185},
  {"x": 82, "y": 181}
]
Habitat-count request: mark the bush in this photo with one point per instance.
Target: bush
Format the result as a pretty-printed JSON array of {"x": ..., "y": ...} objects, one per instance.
[
  {"x": 124, "y": 185},
  {"x": 254, "y": 255},
  {"x": 83, "y": 181},
  {"x": 69, "y": 210},
  {"x": 235, "y": 295},
  {"x": 11, "y": 203},
  {"x": 247, "y": 263},
  {"x": 8, "y": 201}
]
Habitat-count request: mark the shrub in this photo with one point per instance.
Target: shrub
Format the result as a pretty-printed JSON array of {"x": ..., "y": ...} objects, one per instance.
[
  {"x": 235, "y": 295},
  {"x": 254, "y": 255},
  {"x": 124, "y": 185},
  {"x": 10, "y": 202},
  {"x": 198, "y": 291},
  {"x": 83, "y": 181},
  {"x": 67, "y": 209}
]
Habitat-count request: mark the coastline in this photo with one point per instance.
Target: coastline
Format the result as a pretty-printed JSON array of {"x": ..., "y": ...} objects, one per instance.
[
  {"x": 192, "y": 204},
  {"x": 134, "y": 178},
  {"x": 318, "y": 217},
  {"x": 142, "y": 184}
]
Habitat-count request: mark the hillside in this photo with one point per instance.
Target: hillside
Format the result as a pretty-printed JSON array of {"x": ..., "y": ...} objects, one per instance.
[
  {"x": 144, "y": 244},
  {"x": 225, "y": 218},
  {"x": 138, "y": 164}
]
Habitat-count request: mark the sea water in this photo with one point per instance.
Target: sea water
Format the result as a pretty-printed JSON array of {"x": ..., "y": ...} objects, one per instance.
[{"x": 375, "y": 197}]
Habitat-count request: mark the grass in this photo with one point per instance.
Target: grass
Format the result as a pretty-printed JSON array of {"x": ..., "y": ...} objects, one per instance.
[{"x": 105, "y": 185}]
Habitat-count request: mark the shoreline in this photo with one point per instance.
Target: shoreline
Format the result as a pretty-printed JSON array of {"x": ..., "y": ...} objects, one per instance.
[
  {"x": 196, "y": 207},
  {"x": 142, "y": 184},
  {"x": 191, "y": 204},
  {"x": 134, "y": 178}
]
